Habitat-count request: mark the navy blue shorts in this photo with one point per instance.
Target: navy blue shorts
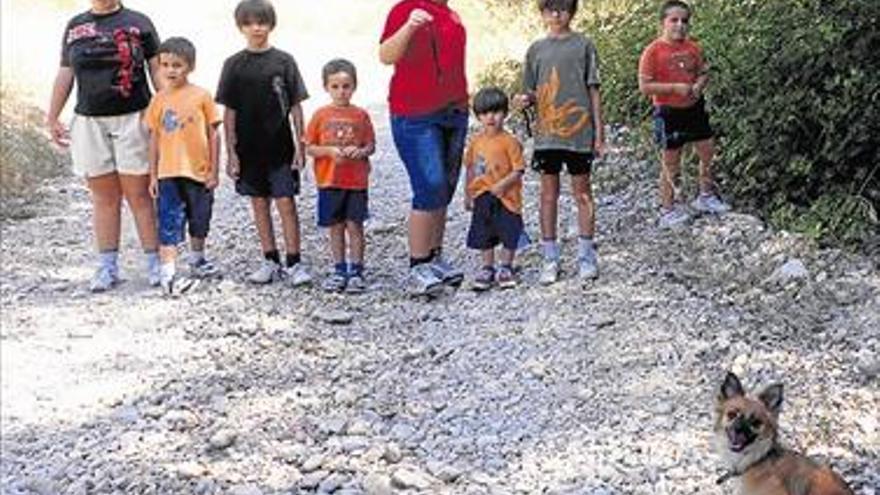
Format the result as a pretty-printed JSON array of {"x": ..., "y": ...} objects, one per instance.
[
  {"x": 340, "y": 205},
  {"x": 431, "y": 148},
  {"x": 550, "y": 162},
  {"x": 262, "y": 181},
  {"x": 673, "y": 127},
  {"x": 183, "y": 202},
  {"x": 492, "y": 224}
]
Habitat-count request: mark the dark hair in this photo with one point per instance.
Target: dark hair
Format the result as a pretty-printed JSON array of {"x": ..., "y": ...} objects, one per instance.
[
  {"x": 569, "y": 6},
  {"x": 489, "y": 100},
  {"x": 339, "y": 65},
  {"x": 673, "y": 4},
  {"x": 255, "y": 10},
  {"x": 181, "y": 47}
]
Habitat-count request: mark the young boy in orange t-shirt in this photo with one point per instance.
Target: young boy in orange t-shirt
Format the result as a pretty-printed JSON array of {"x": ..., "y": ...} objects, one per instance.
[
  {"x": 495, "y": 166},
  {"x": 340, "y": 137},
  {"x": 674, "y": 73},
  {"x": 184, "y": 153}
]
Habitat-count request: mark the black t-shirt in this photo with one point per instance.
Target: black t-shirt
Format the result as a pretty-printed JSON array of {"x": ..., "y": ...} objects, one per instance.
[
  {"x": 262, "y": 87},
  {"x": 108, "y": 54}
]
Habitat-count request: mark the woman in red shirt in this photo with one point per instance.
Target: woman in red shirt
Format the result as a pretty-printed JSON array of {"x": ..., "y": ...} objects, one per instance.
[{"x": 425, "y": 41}]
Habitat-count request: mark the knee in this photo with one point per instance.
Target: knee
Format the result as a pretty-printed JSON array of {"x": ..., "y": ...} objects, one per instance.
[
  {"x": 106, "y": 200},
  {"x": 584, "y": 199}
]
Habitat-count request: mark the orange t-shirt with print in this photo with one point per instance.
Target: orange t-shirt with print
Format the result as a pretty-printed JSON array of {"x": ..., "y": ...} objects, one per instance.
[
  {"x": 341, "y": 126},
  {"x": 180, "y": 117},
  {"x": 492, "y": 158},
  {"x": 672, "y": 62}
]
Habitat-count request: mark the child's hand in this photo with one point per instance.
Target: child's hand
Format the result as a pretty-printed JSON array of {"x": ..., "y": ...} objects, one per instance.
[
  {"x": 682, "y": 89},
  {"x": 351, "y": 152},
  {"x": 59, "y": 133},
  {"x": 497, "y": 190},
  {"x": 211, "y": 183},
  {"x": 153, "y": 188},
  {"x": 418, "y": 18},
  {"x": 522, "y": 101},
  {"x": 233, "y": 169},
  {"x": 299, "y": 159}
]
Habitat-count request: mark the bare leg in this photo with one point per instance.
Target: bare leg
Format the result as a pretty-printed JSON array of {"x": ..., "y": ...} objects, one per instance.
[
  {"x": 106, "y": 203},
  {"x": 488, "y": 256},
  {"x": 197, "y": 244},
  {"x": 669, "y": 171},
  {"x": 168, "y": 254},
  {"x": 135, "y": 188},
  {"x": 439, "y": 228},
  {"x": 289, "y": 224},
  {"x": 549, "y": 205},
  {"x": 706, "y": 152},
  {"x": 337, "y": 243},
  {"x": 421, "y": 235},
  {"x": 507, "y": 256},
  {"x": 356, "y": 242},
  {"x": 263, "y": 221},
  {"x": 586, "y": 207}
]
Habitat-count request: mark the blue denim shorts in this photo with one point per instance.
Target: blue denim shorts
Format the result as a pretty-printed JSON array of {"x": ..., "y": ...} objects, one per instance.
[
  {"x": 431, "y": 147},
  {"x": 183, "y": 202},
  {"x": 340, "y": 205}
]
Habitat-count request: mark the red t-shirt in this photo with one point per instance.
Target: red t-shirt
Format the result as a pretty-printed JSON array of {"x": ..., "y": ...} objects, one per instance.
[
  {"x": 340, "y": 126},
  {"x": 431, "y": 74},
  {"x": 665, "y": 62}
]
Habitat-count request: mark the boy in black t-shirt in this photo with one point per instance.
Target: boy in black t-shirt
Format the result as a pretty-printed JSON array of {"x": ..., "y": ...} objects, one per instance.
[{"x": 261, "y": 88}]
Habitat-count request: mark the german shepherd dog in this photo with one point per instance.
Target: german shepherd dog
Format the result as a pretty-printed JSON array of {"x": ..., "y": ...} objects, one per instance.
[{"x": 746, "y": 435}]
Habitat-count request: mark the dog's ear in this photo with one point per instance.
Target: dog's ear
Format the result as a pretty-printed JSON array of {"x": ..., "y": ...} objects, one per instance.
[
  {"x": 731, "y": 387},
  {"x": 772, "y": 397}
]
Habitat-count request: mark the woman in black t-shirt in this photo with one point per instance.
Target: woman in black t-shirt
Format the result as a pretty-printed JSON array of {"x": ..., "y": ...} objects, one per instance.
[{"x": 109, "y": 51}]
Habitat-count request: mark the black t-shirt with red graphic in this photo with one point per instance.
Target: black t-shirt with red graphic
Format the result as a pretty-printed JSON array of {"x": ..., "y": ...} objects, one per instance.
[{"x": 109, "y": 54}]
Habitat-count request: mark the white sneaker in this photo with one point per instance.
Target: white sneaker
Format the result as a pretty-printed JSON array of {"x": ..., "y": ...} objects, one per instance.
[
  {"x": 203, "y": 268},
  {"x": 297, "y": 275},
  {"x": 423, "y": 281},
  {"x": 446, "y": 272},
  {"x": 588, "y": 268},
  {"x": 266, "y": 273},
  {"x": 673, "y": 218},
  {"x": 549, "y": 272},
  {"x": 710, "y": 203},
  {"x": 104, "y": 279}
]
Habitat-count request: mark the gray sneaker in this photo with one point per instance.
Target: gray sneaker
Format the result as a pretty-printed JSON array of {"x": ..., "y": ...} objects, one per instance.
[
  {"x": 423, "y": 281},
  {"x": 104, "y": 279},
  {"x": 336, "y": 282},
  {"x": 154, "y": 271},
  {"x": 588, "y": 266},
  {"x": 549, "y": 272},
  {"x": 203, "y": 269},
  {"x": 266, "y": 273},
  {"x": 447, "y": 273},
  {"x": 674, "y": 218},
  {"x": 710, "y": 203},
  {"x": 356, "y": 284},
  {"x": 297, "y": 275}
]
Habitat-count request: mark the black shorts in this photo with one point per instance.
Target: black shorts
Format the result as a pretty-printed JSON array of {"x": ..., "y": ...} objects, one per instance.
[
  {"x": 492, "y": 224},
  {"x": 550, "y": 162},
  {"x": 340, "y": 205},
  {"x": 183, "y": 202},
  {"x": 673, "y": 127},
  {"x": 264, "y": 181}
]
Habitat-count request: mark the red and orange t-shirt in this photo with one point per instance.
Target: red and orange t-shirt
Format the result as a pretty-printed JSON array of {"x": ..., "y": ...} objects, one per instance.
[
  {"x": 490, "y": 159},
  {"x": 341, "y": 126},
  {"x": 672, "y": 62}
]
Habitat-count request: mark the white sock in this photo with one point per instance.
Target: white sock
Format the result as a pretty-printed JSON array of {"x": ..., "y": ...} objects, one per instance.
[
  {"x": 550, "y": 249},
  {"x": 167, "y": 272}
]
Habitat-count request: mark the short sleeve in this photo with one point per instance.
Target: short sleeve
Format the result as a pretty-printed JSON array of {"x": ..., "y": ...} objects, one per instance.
[
  {"x": 515, "y": 155},
  {"x": 646, "y": 64},
  {"x": 469, "y": 155},
  {"x": 149, "y": 39},
  {"x": 295, "y": 81},
  {"x": 591, "y": 77},
  {"x": 530, "y": 71},
  {"x": 313, "y": 130},
  {"x": 395, "y": 20},
  {"x": 226, "y": 90},
  {"x": 65, "y": 48},
  {"x": 151, "y": 115},
  {"x": 209, "y": 109}
]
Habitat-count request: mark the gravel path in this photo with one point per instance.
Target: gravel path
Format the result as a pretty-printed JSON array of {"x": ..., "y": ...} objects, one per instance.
[{"x": 605, "y": 388}]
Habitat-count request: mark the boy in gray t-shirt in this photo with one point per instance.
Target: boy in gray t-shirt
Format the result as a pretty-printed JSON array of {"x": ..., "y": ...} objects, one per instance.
[{"x": 561, "y": 78}]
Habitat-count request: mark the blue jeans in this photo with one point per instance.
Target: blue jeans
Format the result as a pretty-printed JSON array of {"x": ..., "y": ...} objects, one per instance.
[{"x": 431, "y": 147}]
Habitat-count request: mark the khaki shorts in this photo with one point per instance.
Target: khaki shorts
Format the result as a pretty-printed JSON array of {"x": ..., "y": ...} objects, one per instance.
[{"x": 103, "y": 145}]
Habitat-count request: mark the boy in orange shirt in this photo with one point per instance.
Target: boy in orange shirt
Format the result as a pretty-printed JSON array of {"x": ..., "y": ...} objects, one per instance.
[
  {"x": 674, "y": 73},
  {"x": 184, "y": 153},
  {"x": 495, "y": 166},
  {"x": 341, "y": 139}
]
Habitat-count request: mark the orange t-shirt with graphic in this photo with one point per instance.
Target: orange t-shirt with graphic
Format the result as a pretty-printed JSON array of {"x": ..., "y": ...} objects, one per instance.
[
  {"x": 492, "y": 158},
  {"x": 180, "y": 117},
  {"x": 341, "y": 126},
  {"x": 672, "y": 62}
]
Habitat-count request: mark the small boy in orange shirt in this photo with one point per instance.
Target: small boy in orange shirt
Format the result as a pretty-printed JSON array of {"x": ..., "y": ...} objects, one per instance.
[
  {"x": 495, "y": 166},
  {"x": 184, "y": 154},
  {"x": 340, "y": 137}
]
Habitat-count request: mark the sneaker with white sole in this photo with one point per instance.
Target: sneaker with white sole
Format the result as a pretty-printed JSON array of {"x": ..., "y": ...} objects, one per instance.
[
  {"x": 483, "y": 279},
  {"x": 356, "y": 284},
  {"x": 297, "y": 275},
  {"x": 506, "y": 278},
  {"x": 446, "y": 272},
  {"x": 549, "y": 272},
  {"x": 588, "y": 266},
  {"x": 336, "y": 282},
  {"x": 179, "y": 284},
  {"x": 104, "y": 279},
  {"x": 266, "y": 273},
  {"x": 423, "y": 281},
  {"x": 674, "y": 218},
  {"x": 710, "y": 203},
  {"x": 203, "y": 268}
]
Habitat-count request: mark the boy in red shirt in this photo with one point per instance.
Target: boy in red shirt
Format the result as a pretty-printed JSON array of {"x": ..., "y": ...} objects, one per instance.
[
  {"x": 673, "y": 71},
  {"x": 340, "y": 137}
]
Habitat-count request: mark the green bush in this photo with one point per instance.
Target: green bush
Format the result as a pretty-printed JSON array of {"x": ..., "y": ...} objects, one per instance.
[{"x": 794, "y": 97}]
